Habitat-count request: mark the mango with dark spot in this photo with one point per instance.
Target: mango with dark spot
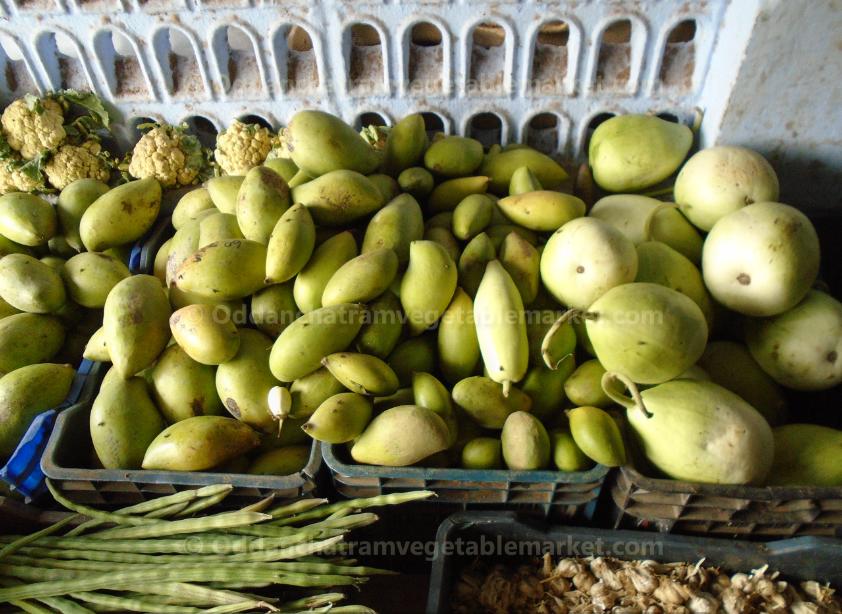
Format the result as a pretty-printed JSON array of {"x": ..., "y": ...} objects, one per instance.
[
  {"x": 182, "y": 387},
  {"x": 453, "y": 156},
  {"x": 319, "y": 143},
  {"x": 72, "y": 203},
  {"x": 121, "y": 215},
  {"x": 339, "y": 197},
  {"x": 224, "y": 270},
  {"x": 261, "y": 201},
  {"x": 501, "y": 167}
]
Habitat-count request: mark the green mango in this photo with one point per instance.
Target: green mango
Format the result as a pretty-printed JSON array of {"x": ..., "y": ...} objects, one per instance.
[
  {"x": 285, "y": 167},
  {"x": 448, "y": 194},
  {"x": 445, "y": 238},
  {"x": 413, "y": 355},
  {"x": 273, "y": 308},
  {"x": 7, "y": 310},
  {"x": 224, "y": 270},
  {"x": 806, "y": 455},
  {"x": 416, "y": 181},
  {"x": 629, "y": 153},
  {"x": 281, "y": 461},
  {"x": 567, "y": 456},
  {"x": 502, "y": 166},
  {"x": 191, "y": 204},
  {"x": 223, "y": 192},
  {"x": 27, "y": 219},
  {"x": 182, "y": 387},
  {"x": 10, "y": 247},
  {"x": 72, "y": 202},
  {"x": 301, "y": 346},
  {"x": 27, "y": 339},
  {"x": 597, "y": 435},
  {"x": 300, "y": 178},
  {"x": 546, "y": 388},
  {"x": 458, "y": 347},
  {"x": 429, "y": 392},
  {"x": 319, "y": 143},
  {"x": 584, "y": 386},
  {"x": 453, "y": 156},
  {"x": 395, "y": 226},
  {"x": 525, "y": 442},
  {"x": 183, "y": 244},
  {"x": 439, "y": 220},
  {"x": 326, "y": 259},
  {"x": 205, "y": 333},
  {"x": 60, "y": 248},
  {"x": 388, "y": 186},
  {"x": 123, "y": 421},
  {"x": 472, "y": 215},
  {"x": 263, "y": 198},
  {"x": 542, "y": 210},
  {"x": 96, "y": 348},
  {"x": 362, "y": 373},
  {"x": 218, "y": 227},
  {"x": 428, "y": 285},
  {"x": 483, "y": 453},
  {"x": 361, "y": 279},
  {"x": 311, "y": 390},
  {"x": 523, "y": 180},
  {"x": 340, "y": 418},
  {"x": 120, "y": 216},
  {"x": 55, "y": 262},
  {"x": 30, "y": 285},
  {"x": 671, "y": 227},
  {"x": 405, "y": 144},
  {"x": 404, "y": 396},
  {"x": 339, "y": 197},
  {"x": 497, "y": 233},
  {"x": 401, "y": 436},
  {"x": 290, "y": 245},
  {"x": 483, "y": 400},
  {"x": 159, "y": 266},
  {"x": 90, "y": 276},
  {"x": 476, "y": 255},
  {"x": 522, "y": 262},
  {"x": 199, "y": 443},
  {"x": 136, "y": 323},
  {"x": 382, "y": 330}
]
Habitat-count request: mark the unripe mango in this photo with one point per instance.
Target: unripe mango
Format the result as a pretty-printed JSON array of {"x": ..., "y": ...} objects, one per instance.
[
  {"x": 339, "y": 197},
  {"x": 96, "y": 348},
  {"x": 566, "y": 454},
  {"x": 483, "y": 400},
  {"x": 10, "y": 247},
  {"x": 159, "y": 266},
  {"x": 806, "y": 455},
  {"x": 472, "y": 215},
  {"x": 445, "y": 238},
  {"x": 453, "y": 156},
  {"x": 183, "y": 244},
  {"x": 401, "y": 436},
  {"x": 522, "y": 262},
  {"x": 405, "y": 144},
  {"x": 224, "y": 270},
  {"x": 263, "y": 198},
  {"x": 361, "y": 279},
  {"x": 90, "y": 276},
  {"x": 523, "y": 180},
  {"x": 428, "y": 284},
  {"x": 121, "y": 215},
  {"x": 526, "y": 443},
  {"x": 282, "y": 461},
  {"x": 273, "y": 308},
  {"x": 413, "y": 355},
  {"x": 416, "y": 181},
  {"x": 71, "y": 205},
  {"x": 483, "y": 453},
  {"x": 319, "y": 143},
  {"x": 190, "y": 205},
  {"x": 448, "y": 194},
  {"x": 206, "y": 333},
  {"x": 27, "y": 339},
  {"x": 182, "y": 387},
  {"x": 386, "y": 185},
  {"x": 542, "y": 210},
  {"x": 326, "y": 259},
  {"x": 312, "y": 390},
  {"x": 362, "y": 373},
  {"x": 473, "y": 260},
  {"x": 223, "y": 192},
  {"x": 290, "y": 244},
  {"x": 339, "y": 419},
  {"x": 395, "y": 226},
  {"x": 7, "y": 310},
  {"x": 597, "y": 435},
  {"x": 458, "y": 347},
  {"x": 546, "y": 388},
  {"x": 27, "y": 219},
  {"x": 218, "y": 227},
  {"x": 584, "y": 386},
  {"x": 380, "y": 334},
  {"x": 30, "y": 285},
  {"x": 500, "y": 168},
  {"x": 285, "y": 167}
]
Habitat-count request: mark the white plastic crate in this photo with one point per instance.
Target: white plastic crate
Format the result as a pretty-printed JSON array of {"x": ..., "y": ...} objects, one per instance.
[{"x": 766, "y": 72}]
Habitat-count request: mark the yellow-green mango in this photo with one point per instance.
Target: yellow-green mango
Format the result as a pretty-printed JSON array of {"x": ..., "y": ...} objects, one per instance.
[
  {"x": 136, "y": 323},
  {"x": 476, "y": 255},
  {"x": 458, "y": 347},
  {"x": 326, "y": 259},
  {"x": 90, "y": 276},
  {"x": 121, "y": 215},
  {"x": 597, "y": 435},
  {"x": 290, "y": 245},
  {"x": 96, "y": 348},
  {"x": 340, "y": 418},
  {"x": 382, "y": 329},
  {"x": 631, "y": 214},
  {"x": 429, "y": 392},
  {"x": 319, "y": 143},
  {"x": 404, "y": 396},
  {"x": 546, "y": 388},
  {"x": 311, "y": 390},
  {"x": 416, "y": 181},
  {"x": 387, "y": 185},
  {"x": 60, "y": 248},
  {"x": 300, "y": 178},
  {"x": 448, "y": 194},
  {"x": 10, "y": 247},
  {"x": 405, "y": 144},
  {"x": 439, "y": 220},
  {"x": 500, "y": 168},
  {"x": 72, "y": 202},
  {"x": 243, "y": 382},
  {"x": 525, "y": 442},
  {"x": 281, "y": 461},
  {"x": 472, "y": 215},
  {"x": 584, "y": 386},
  {"x": 223, "y": 192},
  {"x": 301, "y": 346},
  {"x": 522, "y": 262},
  {"x": 339, "y": 197},
  {"x": 401, "y": 436},
  {"x": 183, "y": 244},
  {"x": 413, "y": 355},
  {"x": 445, "y": 238},
  {"x": 285, "y": 167},
  {"x": 182, "y": 387},
  {"x": 263, "y": 198},
  {"x": 189, "y": 205},
  {"x": 55, "y": 262},
  {"x": 671, "y": 227},
  {"x": 7, "y": 310},
  {"x": 523, "y": 180},
  {"x": 123, "y": 421},
  {"x": 159, "y": 266},
  {"x": 395, "y": 226},
  {"x": 483, "y": 453},
  {"x": 567, "y": 456},
  {"x": 199, "y": 443},
  {"x": 27, "y": 219},
  {"x": 483, "y": 400},
  {"x": 224, "y": 270},
  {"x": 218, "y": 227},
  {"x": 428, "y": 285},
  {"x": 806, "y": 455},
  {"x": 497, "y": 233},
  {"x": 30, "y": 285},
  {"x": 273, "y": 308},
  {"x": 27, "y": 339},
  {"x": 453, "y": 156},
  {"x": 629, "y": 153},
  {"x": 205, "y": 333},
  {"x": 362, "y": 373},
  {"x": 542, "y": 210}
]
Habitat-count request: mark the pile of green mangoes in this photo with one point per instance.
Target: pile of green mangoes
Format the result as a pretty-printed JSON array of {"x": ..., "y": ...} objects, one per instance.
[{"x": 58, "y": 264}]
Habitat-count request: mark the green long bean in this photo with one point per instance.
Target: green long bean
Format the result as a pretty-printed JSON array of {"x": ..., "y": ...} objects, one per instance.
[
  {"x": 353, "y": 521},
  {"x": 296, "y": 507},
  {"x": 355, "y": 504},
  {"x": 202, "y": 504},
  {"x": 126, "y": 604},
  {"x": 165, "y": 512},
  {"x": 94, "y": 513},
  {"x": 194, "y": 544},
  {"x": 28, "y": 539},
  {"x": 65, "y": 606},
  {"x": 312, "y": 601},
  {"x": 30, "y": 608},
  {"x": 236, "y": 607},
  {"x": 226, "y": 520}
]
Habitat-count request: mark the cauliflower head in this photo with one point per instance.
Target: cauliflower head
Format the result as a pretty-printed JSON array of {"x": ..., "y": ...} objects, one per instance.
[
  {"x": 32, "y": 126},
  {"x": 242, "y": 147},
  {"x": 279, "y": 146},
  {"x": 72, "y": 162},
  {"x": 169, "y": 155},
  {"x": 13, "y": 179}
]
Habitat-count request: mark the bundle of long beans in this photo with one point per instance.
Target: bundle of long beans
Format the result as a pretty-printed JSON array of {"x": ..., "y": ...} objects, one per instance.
[{"x": 159, "y": 557}]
